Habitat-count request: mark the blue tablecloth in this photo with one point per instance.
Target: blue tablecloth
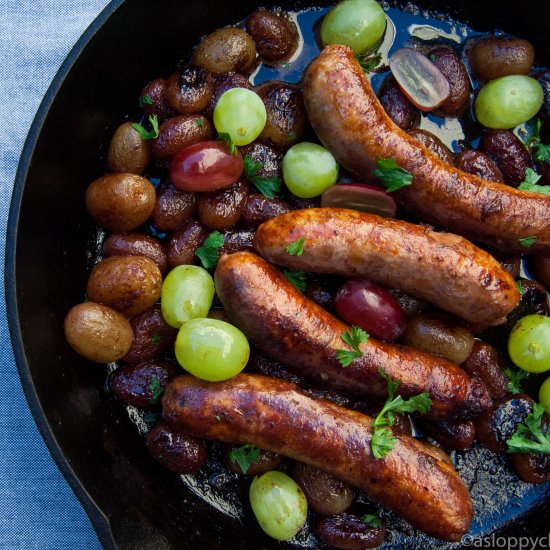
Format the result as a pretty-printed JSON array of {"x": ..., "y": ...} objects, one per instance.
[{"x": 37, "y": 507}]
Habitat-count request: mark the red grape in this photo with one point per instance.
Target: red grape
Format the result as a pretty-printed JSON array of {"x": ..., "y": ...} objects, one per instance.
[
  {"x": 206, "y": 166},
  {"x": 370, "y": 307}
]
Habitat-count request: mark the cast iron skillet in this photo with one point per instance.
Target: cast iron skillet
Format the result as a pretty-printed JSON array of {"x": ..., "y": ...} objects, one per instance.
[{"x": 132, "y": 502}]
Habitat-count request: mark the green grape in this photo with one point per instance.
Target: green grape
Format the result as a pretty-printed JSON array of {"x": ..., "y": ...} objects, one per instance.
[
  {"x": 544, "y": 395},
  {"x": 359, "y": 24},
  {"x": 211, "y": 350},
  {"x": 279, "y": 504},
  {"x": 508, "y": 101},
  {"x": 529, "y": 343},
  {"x": 187, "y": 292},
  {"x": 241, "y": 114},
  {"x": 309, "y": 169}
]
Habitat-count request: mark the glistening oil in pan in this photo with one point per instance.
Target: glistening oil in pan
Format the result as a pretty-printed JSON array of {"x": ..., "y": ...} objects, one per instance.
[{"x": 498, "y": 496}]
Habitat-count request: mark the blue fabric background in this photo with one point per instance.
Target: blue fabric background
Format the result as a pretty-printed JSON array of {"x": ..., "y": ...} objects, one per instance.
[{"x": 37, "y": 507}]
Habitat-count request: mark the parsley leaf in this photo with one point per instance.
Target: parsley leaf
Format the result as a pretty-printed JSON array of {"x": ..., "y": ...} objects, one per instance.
[
  {"x": 200, "y": 122},
  {"x": 372, "y": 519},
  {"x": 266, "y": 186},
  {"x": 519, "y": 287},
  {"x": 156, "y": 339},
  {"x": 526, "y": 242},
  {"x": 531, "y": 177},
  {"x": 208, "y": 253},
  {"x": 224, "y": 136},
  {"x": 383, "y": 441},
  {"x": 514, "y": 379},
  {"x": 352, "y": 337},
  {"x": 156, "y": 389},
  {"x": 522, "y": 439},
  {"x": 297, "y": 278},
  {"x": 393, "y": 177},
  {"x": 144, "y": 134},
  {"x": 245, "y": 456},
  {"x": 144, "y": 100},
  {"x": 542, "y": 152},
  {"x": 296, "y": 248},
  {"x": 530, "y": 183},
  {"x": 370, "y": 61},
  {"x": 535, "y": 134}
]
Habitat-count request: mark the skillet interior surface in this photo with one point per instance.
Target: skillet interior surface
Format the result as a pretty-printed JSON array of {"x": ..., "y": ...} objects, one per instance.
[{"x": 132, "y": 502}]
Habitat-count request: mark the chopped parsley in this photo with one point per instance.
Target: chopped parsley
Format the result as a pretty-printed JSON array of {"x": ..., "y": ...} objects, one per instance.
[
  {"x": 297, "y": 278},
  {"x": 156, "y": 389},
  {"x": 200, "y": 122},
  {"x": 224, "y": 136},
  {"x": 515, "y": 378},
  {"x": 526, "y": 242},
  {"x": 528, "y": 436},
  {"x": 144, "y": 100},
  {"x": 156, "y": 339},
  {"x": 393, "y": 177},
  {"x": 245, "y": 456},
  {"x": 209, "y": 253},
  {"x": 296, "y": 248},
  {"x": 266, "y": 186},
  {"x": 370, "y": 61},
  {"x": 352, "y": 337},
  {"x": 530, "y": 183},
  {"x": 372, "y": 519},
  {"x": 148, "y": 134}
]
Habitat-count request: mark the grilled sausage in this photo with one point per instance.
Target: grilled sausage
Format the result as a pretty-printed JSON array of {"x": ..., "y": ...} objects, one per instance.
[
  {"x": 275, "y": 415},
  {"x": 294, "y": 330},
  {"x": 442, "y": 268},
  {"x": 349, "y": 120}
]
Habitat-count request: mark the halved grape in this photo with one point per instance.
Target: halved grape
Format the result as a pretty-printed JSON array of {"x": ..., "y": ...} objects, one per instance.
[
  {"x": 279, "y": 504},
  {"x": 240, "y": 113},
  {"x": 421, "y": 81},
  {"x": 362, "y": 197},
  {"x": 509, "y": 101},
  {"x": 309, "y": 169},
  {"x": 359, "y": 24},
  {"x": 187, "y": 292},
  {"x": 211, "y": 350}
]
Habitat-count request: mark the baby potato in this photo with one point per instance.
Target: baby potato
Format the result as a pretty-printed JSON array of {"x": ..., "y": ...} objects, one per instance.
[
  {"x": 154, "y": 100},
  {"x": 135, "y": 244},
  {"x": 173, "y": 208},
  {"x": 189, "y": 90},
  {"x": 397, "y": 106},
  {"x": 128, "y": 284},
  {"x": 225, "y": 50},
  {"x": 434, "y": 144},
  {"x": 184, "y": 242},
  {"x": 97, "y": 332},
  {"x": 127, "y": 151},
  {"x": 120, "y": 202},
  {"x": 479, "y": 164},
  {"x": 222, "y": 209}
]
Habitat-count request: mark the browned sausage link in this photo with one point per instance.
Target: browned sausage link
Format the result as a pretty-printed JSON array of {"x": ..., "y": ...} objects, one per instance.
[
  {"x": 349, "y": 120},
  {"x": 292, "y": 329},
  {"x": 275, "y": 415},
  {"x": 442, "y": 268}
]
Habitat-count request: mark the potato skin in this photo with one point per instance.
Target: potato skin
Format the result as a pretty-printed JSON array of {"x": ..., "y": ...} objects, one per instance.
[
  {"x": 258, "y": 209},
  {"x": 152, "y": 336},
  {"x": 156, "y": 92},
  {"x": 434, "y": 144},
  {"x": 127, "y": 151},
  {"x": 540, "y": 267},
  {"x": 496, "y": 56},
  {"x": 487, "y": 364},
  {"x": 128, "y": 284},
  {"x": 120, "y": 201},
  {"x": 98, "y": 332},
  {"x": 480, "y": 164},
  {"x": 222, "y": 209},
  {"x": 135, "y": 244},
  {"x": 173, "y": 207},
  {"x": 225, "y": 50},
  {"x": 184, "y": 242},
  {"x": 189, "y": 90},
  {"x": 397, "y": 106}
]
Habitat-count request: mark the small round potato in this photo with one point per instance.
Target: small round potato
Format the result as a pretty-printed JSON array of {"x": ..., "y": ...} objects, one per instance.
[
  {"x": 97, "y": 332},
  {"x": 189, "y": 90},
  {"x": 128, "y": 284},
  {"x": 173, "y": 208},
  {"x": 120, "y": 202},
  {"x": 127, "y": 151},
  {"x": 225, "y": 50},
  {"x": 135, "y": 244}
]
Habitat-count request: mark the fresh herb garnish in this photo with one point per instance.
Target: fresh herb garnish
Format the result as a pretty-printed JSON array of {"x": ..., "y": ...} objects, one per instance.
[
  {"x": 521, "y": 440},
  {"x": 156, "y": 389},
  {"x": 352, "y": 337},
  {"x": 156, "y": 339},
  {"x": 296, "y": 248},
  {"x": 393, "y": 177},
  {"x": 266, "y": 186},
  {"x": 519, "y": 287},
  {"x": 530, "y": 183},
  {"x": 200, "y": 122},
  {"x": 526, "y": 242},
  {"x": 531, "y": 177},
  {"x": 541, "y": 152},
  {"x": 383, "y": 441},
  {"x": 372, "y": 519},
  {"x": 515, "y": 378},
  {"x": 218, "y": 418},
  {"x": 145, "y": 134},
  {"x": 224, "y": 136},
  {"x": 245, "y": 456},
  {"x": 209, "y": 253},
  {"x": 534, "y": 137},
  {"x": 370, "y": 61},
  {"x": 297, "y": 278},
  {"x": 144, "y": 100}
]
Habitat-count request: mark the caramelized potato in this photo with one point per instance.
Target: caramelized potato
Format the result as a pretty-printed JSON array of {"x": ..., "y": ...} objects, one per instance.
[
  {"x": 225, "y": 50},
  {"x": 128, "y": 284},
  {"x": 531, "y": 468},
  {"x": 411, "y": 305},
  {"x": 479, "y": 164},
  {"x": 154, "y": 101},
  {"x": 267, "y": 461},
  {"x": 222, "y": 209},
  {"x": 397, "y": 106},
  {"x": 120, "y": 202},
  {"x": 184, "y": 242},
  {"x": 276, "y": 36},
  {"x": 97, "y": 332},
  {"x": 286, "y": 115},
  {"x": 176, "y": 451},
  {"x": 451, "y": 435},
  {"x": 320, "y": 292},
  {"x": 348, "y": 531},
  {"x": 141, "y": 385},
  {"x": 258, "y": 209},
  {"x": 152, "y": 336},
  {"x": 539, "y": 264},
  {"x": 268, "y": 155},
  {"x": 510, "y": 262},
  {"x": 488, "y": 365},
  {"x": 534, "y": 300},
  {"x": 434, "y": 144},
  {"x": 236, "y": 240},
  {"x": 180, "y": 132},
  {"x": 135, "y": 244},
  {"x": 189, "y": 90},
  {"x": 173, "y": 208},
  {"x": 127, "y": 151}
]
